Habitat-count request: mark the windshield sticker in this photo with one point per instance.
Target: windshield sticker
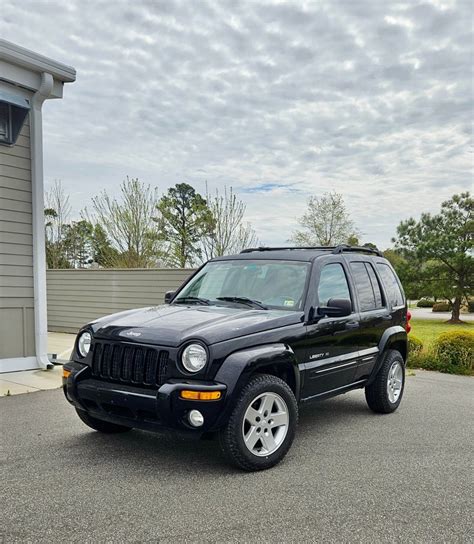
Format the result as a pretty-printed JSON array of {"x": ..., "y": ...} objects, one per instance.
[{"x": 289, "y": 302}]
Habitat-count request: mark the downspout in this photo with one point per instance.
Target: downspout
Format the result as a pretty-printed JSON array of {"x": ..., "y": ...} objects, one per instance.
[{"x": 39, "y": 251}]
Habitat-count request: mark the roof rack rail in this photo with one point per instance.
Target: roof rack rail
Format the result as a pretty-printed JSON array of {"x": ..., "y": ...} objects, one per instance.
[
  {"x": 341, "y": 248},
  {"x": 361, "y": 249},
  {"x": 265, "y": 248}
]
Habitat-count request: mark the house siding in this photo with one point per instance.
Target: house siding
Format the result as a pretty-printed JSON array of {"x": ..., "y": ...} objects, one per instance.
[{"x": 16, "y": 250}]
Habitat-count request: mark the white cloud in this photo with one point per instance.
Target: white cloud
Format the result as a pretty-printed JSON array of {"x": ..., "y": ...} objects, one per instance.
[{"x": 368, "y": 98}]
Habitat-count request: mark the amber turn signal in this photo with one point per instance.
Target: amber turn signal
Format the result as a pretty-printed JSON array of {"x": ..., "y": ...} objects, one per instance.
[
  {"x": 200, "y": 395},
  {"x": 66, "y": 373}
]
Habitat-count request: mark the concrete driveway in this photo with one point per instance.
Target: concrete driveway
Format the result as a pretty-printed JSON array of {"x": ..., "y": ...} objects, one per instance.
[
  {"x": 351, "y": 476},
  {"x": 29, "y": 381}
]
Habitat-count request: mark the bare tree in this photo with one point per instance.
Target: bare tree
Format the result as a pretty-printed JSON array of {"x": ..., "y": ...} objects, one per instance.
[
  {"x": 229, "y": 234},
  {"x": 128, "y": 224},
  {"x": 326, "y": 222},
  {"x": 57, "y": 212}
]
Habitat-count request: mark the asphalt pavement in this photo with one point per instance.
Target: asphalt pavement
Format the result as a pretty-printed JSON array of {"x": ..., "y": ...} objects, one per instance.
[
  {"x": 351, "y": 476},
  {"x": 427, "y": 313}
]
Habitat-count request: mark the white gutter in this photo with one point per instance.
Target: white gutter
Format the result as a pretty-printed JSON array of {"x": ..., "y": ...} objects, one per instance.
[
  {"x": 34, "y": 62},
  {"x": 39, "y": 251}
]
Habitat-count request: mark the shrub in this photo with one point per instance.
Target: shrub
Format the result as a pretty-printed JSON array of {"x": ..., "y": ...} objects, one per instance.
[
  {"x": 454, "y": 352},
  {"x": 415, "y": 345},
  {"x": 416, "y": 357},
  {"x": 426, "y": 360},
  {"x": 441, "y": 307},
  {"x": 425, "y": 303}
]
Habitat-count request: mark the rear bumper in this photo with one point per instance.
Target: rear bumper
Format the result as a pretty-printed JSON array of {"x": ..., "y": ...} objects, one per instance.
[{"x": 139, "y": 407}]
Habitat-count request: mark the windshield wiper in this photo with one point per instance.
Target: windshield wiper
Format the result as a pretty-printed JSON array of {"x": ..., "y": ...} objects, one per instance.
[
  {"x": 198, "y": 300},
  {"x": 244, "y": 300}
]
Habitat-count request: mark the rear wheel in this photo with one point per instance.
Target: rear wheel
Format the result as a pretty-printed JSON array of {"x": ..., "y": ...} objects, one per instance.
[
  {"x": 262, "y": 425},
  {"x": 385, "y": 393},
  {"x": 101, "y": 425}
]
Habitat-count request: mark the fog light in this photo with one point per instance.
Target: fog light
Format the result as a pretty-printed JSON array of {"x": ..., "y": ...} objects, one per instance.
[{"x": 196, "y": 418}]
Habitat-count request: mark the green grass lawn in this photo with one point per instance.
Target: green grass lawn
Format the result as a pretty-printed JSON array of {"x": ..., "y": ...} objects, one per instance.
[{"x": 428, "y": 330}]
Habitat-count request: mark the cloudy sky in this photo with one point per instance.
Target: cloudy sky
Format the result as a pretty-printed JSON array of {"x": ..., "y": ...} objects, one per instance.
[{"x": 281, "y": 100}]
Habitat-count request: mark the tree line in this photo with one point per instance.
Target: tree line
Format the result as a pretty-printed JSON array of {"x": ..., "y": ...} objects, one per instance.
[
  {"x": 139, "y": 229},
  {"x": 179, "y": 229}
]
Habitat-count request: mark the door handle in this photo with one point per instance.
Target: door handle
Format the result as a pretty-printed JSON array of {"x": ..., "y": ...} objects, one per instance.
[{"x": 352, "y": 325}]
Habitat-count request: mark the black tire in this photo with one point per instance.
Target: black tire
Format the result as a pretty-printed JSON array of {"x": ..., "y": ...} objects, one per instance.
[
  {"x": 101, "y": 425},
  {"x": 376, "y": 393},
  {"x": 231, "y": 437}
]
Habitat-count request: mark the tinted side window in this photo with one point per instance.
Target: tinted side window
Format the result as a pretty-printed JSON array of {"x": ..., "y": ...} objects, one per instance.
[
  {"x": 332, "y": 284},
  {"x": 392, "y": 288},
  {"x": 375, "y": 286},
  {"x": 363, "y": 286}
]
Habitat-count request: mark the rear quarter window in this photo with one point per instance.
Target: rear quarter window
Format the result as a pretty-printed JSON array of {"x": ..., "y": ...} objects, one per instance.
[
  {"x": 369, "y": 293},
  {"x": 392, "y": 287}
]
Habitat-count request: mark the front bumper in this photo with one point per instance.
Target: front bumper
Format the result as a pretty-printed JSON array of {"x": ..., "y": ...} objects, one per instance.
[{"x": 139, "y": 407}]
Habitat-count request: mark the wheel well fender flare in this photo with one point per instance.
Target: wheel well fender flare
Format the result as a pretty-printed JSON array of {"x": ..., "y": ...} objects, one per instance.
[
  {"x": 240, "y": 365},
  {"x": 393, "y": 338}
]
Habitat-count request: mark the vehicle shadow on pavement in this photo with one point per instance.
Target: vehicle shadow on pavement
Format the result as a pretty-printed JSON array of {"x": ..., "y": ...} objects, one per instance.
[
  {"x": 138, "y": 450},
  {"x": 352, "y": 404}
]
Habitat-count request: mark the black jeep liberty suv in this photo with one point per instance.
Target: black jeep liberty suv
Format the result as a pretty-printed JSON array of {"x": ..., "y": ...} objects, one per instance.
[{"x": 241, "y": 343}]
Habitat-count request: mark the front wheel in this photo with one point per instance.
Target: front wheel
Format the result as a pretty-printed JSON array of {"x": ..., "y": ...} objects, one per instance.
[
  {"x": 101, "y": 425},
  {"x": 385, "y": 393},
  {"x": 262, "y": 425}
]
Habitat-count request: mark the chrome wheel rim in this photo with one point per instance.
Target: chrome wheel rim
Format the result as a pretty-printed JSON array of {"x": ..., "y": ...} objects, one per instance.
[
  {"x": 265, "y": 424},
  {"x": 395, "y": 382}
]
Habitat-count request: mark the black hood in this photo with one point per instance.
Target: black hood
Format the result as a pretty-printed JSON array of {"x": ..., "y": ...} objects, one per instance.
[{"x": 171, "y": 325}]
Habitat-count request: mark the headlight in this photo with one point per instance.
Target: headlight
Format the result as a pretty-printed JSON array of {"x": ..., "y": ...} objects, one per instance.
[
  {"x": 84, "y": 343},
  {"x": 194, "y": 358}
]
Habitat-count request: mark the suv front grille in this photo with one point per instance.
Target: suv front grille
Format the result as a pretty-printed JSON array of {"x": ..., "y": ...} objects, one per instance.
[{"x": 138, "y": 365}]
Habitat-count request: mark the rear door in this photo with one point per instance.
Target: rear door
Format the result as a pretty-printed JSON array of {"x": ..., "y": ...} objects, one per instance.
[
  {"x": 332, "y": 342},
  {"x": 375, "y": 315}
]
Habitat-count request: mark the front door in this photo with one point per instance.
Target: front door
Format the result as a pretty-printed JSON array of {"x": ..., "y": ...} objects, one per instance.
[{"x": 332, "y": 342}]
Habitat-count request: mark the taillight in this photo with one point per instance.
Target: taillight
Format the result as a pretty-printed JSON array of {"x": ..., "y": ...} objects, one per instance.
[{"x": 408, "y": 326}]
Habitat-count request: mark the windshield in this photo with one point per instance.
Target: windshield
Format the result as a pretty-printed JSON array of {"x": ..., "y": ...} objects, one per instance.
[{"x": 271, "y": 284}]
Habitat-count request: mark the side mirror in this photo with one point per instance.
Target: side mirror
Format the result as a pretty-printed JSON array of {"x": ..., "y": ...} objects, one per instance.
[
  {"x": 168, "y": 296},
  {"x": 337, "y": 307}
]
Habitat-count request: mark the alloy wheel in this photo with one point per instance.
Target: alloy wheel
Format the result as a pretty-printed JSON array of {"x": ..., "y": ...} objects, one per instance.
[
  {"x": 265, "y": 424},
  {"x": 395, "y": 381}
]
